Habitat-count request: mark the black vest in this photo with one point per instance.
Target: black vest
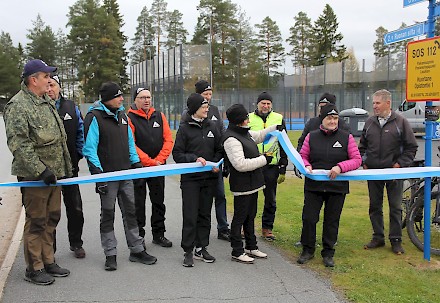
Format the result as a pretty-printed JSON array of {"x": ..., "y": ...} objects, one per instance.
[
  {"x": 113, "y": 150},
  {"x": 326, "y": 151},
  {"x": 149, "y": 133},
  {"x": 67, "y": 113},
  {"x": 243, "y": 181}
]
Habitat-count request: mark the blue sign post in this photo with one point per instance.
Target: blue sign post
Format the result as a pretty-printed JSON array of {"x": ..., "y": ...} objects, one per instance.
[
  {"x": 404, "y": 33},
  {"x": 411, "y": 2}
]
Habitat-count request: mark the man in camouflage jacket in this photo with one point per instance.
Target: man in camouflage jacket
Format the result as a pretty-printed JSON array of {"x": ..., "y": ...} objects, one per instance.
[{"x": 37, "y": 141}]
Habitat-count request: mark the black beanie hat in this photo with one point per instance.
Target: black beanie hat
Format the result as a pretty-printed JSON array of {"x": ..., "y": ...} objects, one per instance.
[
  {"x": 327, "y": 98},
  {"x": 194, "y": 102},
  {"x": 109, "y": 91},
  {"x": 237, "y": 113},
  {"x": 328, "y": 109},
  {"x": 202, "y": 86},
  {"x": 264, "y": 96}
]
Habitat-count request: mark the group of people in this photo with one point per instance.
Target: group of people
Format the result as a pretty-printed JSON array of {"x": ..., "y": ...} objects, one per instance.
[{"x": 47, "y": 136}]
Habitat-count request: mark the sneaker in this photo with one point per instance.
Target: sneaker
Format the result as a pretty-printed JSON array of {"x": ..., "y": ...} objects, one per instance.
[
  {"x": 256, "y": 253},
  {"x": 39, "y": 277},
  {"x": 110, "y": 263},
  {"x": 224, "y": 235},
  {"x": 56, "y": 271},
  {"x": 374, "y": 243},
  {"x": 328, "y": 261},
  {"x": 188, "y": 259},
  {"x": 396, "y": 247},
  {"x": 162, "y": 241},
  {"x": 305, "y": 257},
  {"x": 203, "y": 255},
  {"x": 79, "y": 252},
  {"x": 142, "y": 257},
  {"x": 243, "y": 258},
  {"x": 267, "y": 234}
]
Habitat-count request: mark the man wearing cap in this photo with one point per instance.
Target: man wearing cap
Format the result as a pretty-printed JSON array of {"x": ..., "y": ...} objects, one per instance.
[
  {"x": 154, "y": 142},
  {"x": 74, "y": 127},
  {"x": 37, "y": 141},
  {"x": 203, "y": 88},
  {"x": 197, "y": 140},
  {"x": 335, "y": 150},
  {"x": 109, "y": 146},
  {"x": 275, "y": 171}
]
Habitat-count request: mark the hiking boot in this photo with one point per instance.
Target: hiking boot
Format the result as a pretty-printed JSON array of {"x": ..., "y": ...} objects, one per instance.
[
  {"x": 396, "y": 247},
  {"x": 328, "y": 261},
  {"x": 79, "y": 252},
  {"x": 256, "y": 253},
  {"x": 224, "y": 235},
  {"x": 243, "y": 258},
  {"x": 374, "y": 243},
  {"x": 142, "y": 257},
  {"x": 267, "y": 234},
  {"x": 188, "y": 259},
  {"x": 203, "y": 255},
  {"x": 162, "y": 241},
  {"x": 39, "y": 277},
  {"x": 110, "y": 263},
  {"x": 305, "y": 257},
  {"x": 56, "y": 271}
]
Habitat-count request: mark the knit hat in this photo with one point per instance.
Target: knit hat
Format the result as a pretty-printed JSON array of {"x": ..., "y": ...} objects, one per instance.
[
  {"x": 194, "y": 102},
  {"x": 35, "y": 66},
  {"x": 109, "y": 91},
  {"x": 327, "y": 98},
  {"x": 328, "y": 109},
  {"x": 202, "y": 86},
  {"x": 138, "y": 90},
  {"x": 236, "y": 114},
  {"x": 264, "y": 96},
  {"x": 56, "y": 78}
]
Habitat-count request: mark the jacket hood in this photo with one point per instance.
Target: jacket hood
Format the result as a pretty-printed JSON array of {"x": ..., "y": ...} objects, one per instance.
[{"x": 139, "y": 112}]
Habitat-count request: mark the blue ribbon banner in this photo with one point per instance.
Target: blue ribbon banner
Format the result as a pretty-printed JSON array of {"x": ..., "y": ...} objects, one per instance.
[{"x": 292, "y": 154}]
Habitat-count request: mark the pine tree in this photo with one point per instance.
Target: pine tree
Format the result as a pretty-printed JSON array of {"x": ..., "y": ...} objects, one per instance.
[
  {"x": 10, "y": 68},
  {"x": 381, "y": 51},
  {"x": 143, "y": 42},
  {"x": 270, "y": 42},
  {"x": 325, "y": 40},
  {"x": 175, "y": 29},
  {"x": 299, "y": 39},
  {"x": 159, "y": 14},
  {"x": 42, "y": 42}
]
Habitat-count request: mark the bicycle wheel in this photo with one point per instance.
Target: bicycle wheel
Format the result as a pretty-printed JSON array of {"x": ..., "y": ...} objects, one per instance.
[
  {"x": 414, "y": 224},
  {"x": 410, "y": 186}
]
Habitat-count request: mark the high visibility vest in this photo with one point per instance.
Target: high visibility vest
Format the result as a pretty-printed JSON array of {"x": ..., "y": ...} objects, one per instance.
[{"x": 257, "y": 123}]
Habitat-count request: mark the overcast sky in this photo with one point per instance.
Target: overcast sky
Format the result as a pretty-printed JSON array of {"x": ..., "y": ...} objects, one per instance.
[{"x": 358, "y": 20}]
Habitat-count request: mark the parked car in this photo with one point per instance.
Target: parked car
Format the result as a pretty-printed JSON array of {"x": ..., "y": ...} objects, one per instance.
[{"x": 414, "y": 112}]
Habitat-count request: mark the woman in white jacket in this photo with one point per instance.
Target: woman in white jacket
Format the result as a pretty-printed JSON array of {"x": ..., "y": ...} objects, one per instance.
[{"x": 246, "y": 179}]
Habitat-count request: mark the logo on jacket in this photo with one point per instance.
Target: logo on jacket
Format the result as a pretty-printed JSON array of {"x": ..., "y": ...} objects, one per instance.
[
  {"x": 337, "y": 144},
  {"x": 67, "y": 117},
  {"x": 155, "y": 124},
  {"x": 210, "y": 135},
  {"x": 214, "y": 118},
  {"x": 123, "y": 121}
]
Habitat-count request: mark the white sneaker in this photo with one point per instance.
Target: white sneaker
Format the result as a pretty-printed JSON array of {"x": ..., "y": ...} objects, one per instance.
[
  {"x": 243, "y": 259},
  {"x": 256, "y": 253}
]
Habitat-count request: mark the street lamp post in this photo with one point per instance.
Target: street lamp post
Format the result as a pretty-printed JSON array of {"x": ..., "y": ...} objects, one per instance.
[
  {"x": 238, "y": 50},
  {"x": 210, "y": 48}
]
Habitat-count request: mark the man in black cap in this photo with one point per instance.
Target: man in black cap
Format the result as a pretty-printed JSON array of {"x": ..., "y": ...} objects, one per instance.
[
  {"x": 109, "y": 146},
  {"x": 204, "y": 88},
  {"x": 197, "y": 140},
  {"x": 74, "y": 127},
  {"x": 275, "y": 171},
  {"x": 37, "y": 140}
]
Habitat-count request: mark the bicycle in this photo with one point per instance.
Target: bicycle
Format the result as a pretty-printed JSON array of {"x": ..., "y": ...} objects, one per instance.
[{"x": 410, "y": 187}]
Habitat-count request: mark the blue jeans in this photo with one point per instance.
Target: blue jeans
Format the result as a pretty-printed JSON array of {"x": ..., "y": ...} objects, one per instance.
[{"x": 220, "y": 204}]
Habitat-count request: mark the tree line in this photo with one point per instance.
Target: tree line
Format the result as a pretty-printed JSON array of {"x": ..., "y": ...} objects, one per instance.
[{"x": 94, "y": 48}]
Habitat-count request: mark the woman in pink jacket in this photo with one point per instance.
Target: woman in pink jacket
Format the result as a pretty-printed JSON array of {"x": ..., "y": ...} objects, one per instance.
[{"x": 334, "y": 150}]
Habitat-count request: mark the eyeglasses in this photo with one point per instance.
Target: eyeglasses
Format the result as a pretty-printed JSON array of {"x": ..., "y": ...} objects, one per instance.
[{"x": 143, "y": 98}]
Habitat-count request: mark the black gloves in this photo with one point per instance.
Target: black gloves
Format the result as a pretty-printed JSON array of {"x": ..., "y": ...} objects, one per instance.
[
  {"x": 297, "y": 172},
  {"x": 137, "y": 165},
  {"x": 101, "y": 188},
  {"x": 281, "y": 127},
  {"x": 48, "y": 177},
  {"x": 268, "y": 158}
]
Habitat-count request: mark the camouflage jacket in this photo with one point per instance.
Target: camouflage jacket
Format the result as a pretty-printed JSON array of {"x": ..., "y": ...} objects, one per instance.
[{"x": 36, "y": 136}]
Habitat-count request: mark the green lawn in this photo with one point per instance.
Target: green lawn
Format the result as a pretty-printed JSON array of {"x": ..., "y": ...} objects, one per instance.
[{"x": 360, "y": 275}]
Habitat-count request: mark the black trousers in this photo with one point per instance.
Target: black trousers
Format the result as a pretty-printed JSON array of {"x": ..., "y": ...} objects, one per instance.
[
  {"x": 313, "y": 201},
  {"x": 156, "y": 186},
  {"x": 245, "y": 210},
  {"x": 271, "y": 173},
  {"x": 74, "y": 212},
  {"x": 197, "y": 198}
]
